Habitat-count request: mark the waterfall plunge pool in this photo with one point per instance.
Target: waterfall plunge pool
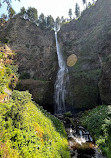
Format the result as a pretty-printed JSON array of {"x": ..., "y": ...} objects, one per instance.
[{"x": 81, "y": 144}]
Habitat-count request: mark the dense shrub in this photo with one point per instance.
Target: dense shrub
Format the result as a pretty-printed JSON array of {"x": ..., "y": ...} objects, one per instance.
[
  {"x": 4, "y": 79},
  {"x": 13, "y": 68},
  {"x": 8, "y": 72},
  {"x": 98, "y": 122},
  {"x": 22, "y": 97},
  {"x": 27, "y": 131}
]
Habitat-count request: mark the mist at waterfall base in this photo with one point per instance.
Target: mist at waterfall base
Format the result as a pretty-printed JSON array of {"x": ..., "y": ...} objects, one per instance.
[{"x": 61, "y": 82}]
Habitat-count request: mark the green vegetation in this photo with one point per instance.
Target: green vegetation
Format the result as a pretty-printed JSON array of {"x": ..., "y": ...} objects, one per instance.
[
  {"x": 3, "y": 79},
  {"x": 98, "y": 122},
  {"x": 8, "y": 72},
  {"x": 8, "y": 3},
  {"x": 50, "y": 22},
  {"x": 68, "y": 114},
  {"x": 70, "y": 14},
  {"x": 32, "y": 14},
  {"x": 77, "y": 10},
  {"x": 11, "y": 12},
  {"x": 89, "y": 74},
  {"x": 84, "y": 2},
  {"x": 27, "y": 131}
]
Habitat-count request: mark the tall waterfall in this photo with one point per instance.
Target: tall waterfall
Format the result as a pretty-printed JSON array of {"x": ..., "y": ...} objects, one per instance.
[{"x": 61, "y": 81}]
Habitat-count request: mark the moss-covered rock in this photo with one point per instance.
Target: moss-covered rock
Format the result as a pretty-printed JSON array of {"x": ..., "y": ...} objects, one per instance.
[{"x": 84, "y": 90}]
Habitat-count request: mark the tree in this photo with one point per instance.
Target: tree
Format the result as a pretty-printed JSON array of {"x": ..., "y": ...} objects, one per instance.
[
  {"x": 11, "y": 12},
  {"x": 8, "y": 2},
  {"x": 4, "y": 16},
  {"x": 94, "y": 1},
  {"x": 89, "y": 4},
  {"x": 50, "y": 22},
  {"x": 22, "y": 11},
  {"x": 32, "y": 14},
  {"x": 42, "y": 21},
  {"x": 63, "y": 20},
  {"x": 70, "y": 14},
  {"x": 57, "y": 23},
  {"x": 85, "y": 2},
  {"x": 3, "y": 19},
  {"x": 77, "y": 10}
]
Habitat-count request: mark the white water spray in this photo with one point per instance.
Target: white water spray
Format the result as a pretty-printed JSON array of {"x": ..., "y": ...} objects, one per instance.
[{"x": 61, "y": 81}]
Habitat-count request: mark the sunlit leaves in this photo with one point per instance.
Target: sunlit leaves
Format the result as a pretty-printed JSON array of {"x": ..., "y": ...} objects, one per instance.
[{"x": 33, "y": 133}]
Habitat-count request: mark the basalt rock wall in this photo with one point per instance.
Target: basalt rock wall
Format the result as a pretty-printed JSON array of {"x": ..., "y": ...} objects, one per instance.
[
  {"x": 35, "y": 56},
  {"x": 89, "y": 38}
]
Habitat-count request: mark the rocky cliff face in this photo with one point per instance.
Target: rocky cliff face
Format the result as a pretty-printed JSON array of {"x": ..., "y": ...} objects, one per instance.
[
  {"x": 89, "y": 39},
  {"x": 35, "y": 55},
  {"x": 105, "y": 82}
]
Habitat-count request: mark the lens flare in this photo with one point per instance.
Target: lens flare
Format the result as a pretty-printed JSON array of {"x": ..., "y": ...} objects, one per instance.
[{"x": 71, "y": 60}]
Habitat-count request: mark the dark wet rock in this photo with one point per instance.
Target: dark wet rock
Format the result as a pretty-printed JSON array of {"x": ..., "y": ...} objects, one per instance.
[{"x": 105, "y": 82}]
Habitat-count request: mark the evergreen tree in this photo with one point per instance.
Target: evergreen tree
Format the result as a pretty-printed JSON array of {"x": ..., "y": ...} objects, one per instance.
[
  {"x": 3, "y": 19},
  {"x": 32, "y": 14},
  {"x": 77, "y": 10},
  {"x": 8, "y": 2},
  {"x": 57, "y": 23},
  {"x": 42, "y": 21},
  {"x": 89, "y": 4},
  {"x": 22, "y": 11},
  {"x": 11, "y": 12},
  {"x": 70, "y": 14},
  {"x": 85, "y": 2},
  {"x": 4, "y": 16},
  {"x": 93, "y": 1},
  {"x": 63, "y": 20},
  {"x": 50, "y": 22}
]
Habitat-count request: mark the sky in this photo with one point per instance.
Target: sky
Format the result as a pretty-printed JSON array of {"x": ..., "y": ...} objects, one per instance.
[{"x": 48, "y": 7}]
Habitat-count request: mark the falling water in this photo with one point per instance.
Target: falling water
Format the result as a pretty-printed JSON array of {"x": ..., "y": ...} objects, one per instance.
[{"x": 61, "y": 81}]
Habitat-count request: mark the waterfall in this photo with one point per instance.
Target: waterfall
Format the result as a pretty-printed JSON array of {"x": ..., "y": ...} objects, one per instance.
[{"x": 61, "y": 82}]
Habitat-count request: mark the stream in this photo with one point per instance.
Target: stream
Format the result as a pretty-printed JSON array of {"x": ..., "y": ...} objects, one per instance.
[{"x": 81, "y": 144}]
